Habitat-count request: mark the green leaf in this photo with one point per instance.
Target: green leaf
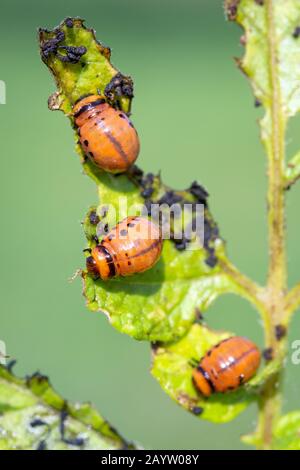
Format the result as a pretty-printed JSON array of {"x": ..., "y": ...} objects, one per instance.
[
  {"x": 173, "y": 365},
  {"x": 271, "y": 26},
  {"x": 161, "y": 304},
  {"x": 31, "y": 416},
  {"x": 292, "y": 173},
  {"x": 286, "y": 434},
  {"x": 88, "y": 71},
  {"x": 272, "y": 63}
]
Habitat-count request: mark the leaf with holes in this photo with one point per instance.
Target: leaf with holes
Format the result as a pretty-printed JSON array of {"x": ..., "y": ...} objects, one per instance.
[
  {"x": 272, "y": 63},
  {"x": 162, "y": 303},
  {"x": 172, "y": 366},
  {"x": 33, "y": 416}
]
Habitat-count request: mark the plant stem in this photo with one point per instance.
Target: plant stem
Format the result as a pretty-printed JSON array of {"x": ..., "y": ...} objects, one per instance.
[{"x": 270, "y": 402}]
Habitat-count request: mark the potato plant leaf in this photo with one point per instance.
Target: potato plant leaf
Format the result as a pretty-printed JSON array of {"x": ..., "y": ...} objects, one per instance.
[
  {"x": 172, "y": 366},
  {"x": 272, "y": 63},
  {"x": 33, "y": 416},
  {"x": 286, "y": 434},
  {"x": 163, "y": 303}
]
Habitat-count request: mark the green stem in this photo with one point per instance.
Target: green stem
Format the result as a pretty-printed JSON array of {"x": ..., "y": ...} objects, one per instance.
[
  {"x": 292, "y": 302},
  {"x": 270, "y": 402}
]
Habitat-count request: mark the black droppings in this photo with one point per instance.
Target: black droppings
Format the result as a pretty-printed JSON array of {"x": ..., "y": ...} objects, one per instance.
[
  {"x": 296, "y": 32},
  {"x": 257, "y": 103},
  {"x": 260, "y": 2},
  {"x": 180, "y": 245},
  {"x": 10, "y": 365},
  {"x": 148, "y": 206},
  {"x": 199, "y": 192},
  {"x": 147, "y": 180},
  {"x": 231, "y": 8},
  {"x": 120, "y": 85},
  {"x": 77, "y": 441},
  {"x": 280, "y": 332},
  {"x": 69, "y": 22},
  {"x": 146, "y": 193},
  {"x": 197, "y": 410},
  {"x": 51, "y": 45},
  {"x": 136, "y": 174},
  {"x": 40, "y": 378},
  {"x": 72, "y": 54},
  {"x": 42, "y": 445},
  {"x": 155, "y": 345},
  {"x": 268, "y": 354},
  {"x": 170, "y": 198},
  {"x": 94, "y": 218},
  {"x": 37, "y": 422},
  {"x": 211, "y": 260},
  {"x": 86, "y": 143}
]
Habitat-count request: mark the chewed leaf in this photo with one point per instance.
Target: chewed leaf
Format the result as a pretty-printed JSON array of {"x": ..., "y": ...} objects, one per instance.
[
  {"x": 172, "y": 366},
  {"x": 81, "y": 66},
  {"x": 33, "y": 416},
  {"x": 272, "y": 63},
  {"x": 271, "y": 29},
  {"x": 162, "y": 303}
]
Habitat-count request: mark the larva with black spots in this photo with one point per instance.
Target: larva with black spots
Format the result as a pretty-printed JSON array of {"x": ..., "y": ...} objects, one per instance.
[
  {"x": 107, "y": 135},
  {"x": 132, "y": 247}
]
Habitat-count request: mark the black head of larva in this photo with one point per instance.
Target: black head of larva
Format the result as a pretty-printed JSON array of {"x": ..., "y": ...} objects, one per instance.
[{"x": 92, "y": 267}]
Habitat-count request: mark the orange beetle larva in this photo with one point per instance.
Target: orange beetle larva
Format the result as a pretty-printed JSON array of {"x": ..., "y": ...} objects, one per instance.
[
  {"x": 106, "y": 135},
  {"x": 133, "y": 246},
  {"x": 226, "y": 366}
]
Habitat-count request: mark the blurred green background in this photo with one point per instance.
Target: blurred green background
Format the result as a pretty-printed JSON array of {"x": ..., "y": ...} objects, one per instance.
[{"x": 196, "y": 118}]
